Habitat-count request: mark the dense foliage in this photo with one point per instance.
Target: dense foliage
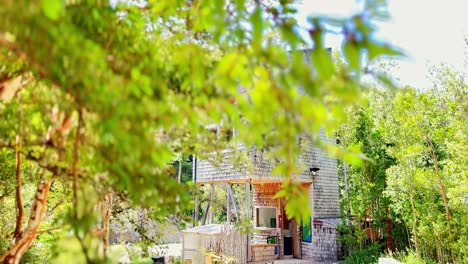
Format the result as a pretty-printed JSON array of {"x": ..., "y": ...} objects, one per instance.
[
  {"x": 415, "y": 180},
  {"x": 100, "y": 101}
]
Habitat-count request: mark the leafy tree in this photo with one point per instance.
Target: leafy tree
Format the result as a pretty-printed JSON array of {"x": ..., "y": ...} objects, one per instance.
[
  {"x": 421, "y": 127},
  {"x": 416, "y": 167},
  {"x": 114, "y": 94}
]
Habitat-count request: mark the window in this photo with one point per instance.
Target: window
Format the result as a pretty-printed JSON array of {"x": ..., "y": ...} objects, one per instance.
[{"x": 266, "y": 217}]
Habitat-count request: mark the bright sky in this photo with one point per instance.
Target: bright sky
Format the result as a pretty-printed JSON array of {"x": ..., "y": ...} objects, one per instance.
[{"x": 429, "y": 31}]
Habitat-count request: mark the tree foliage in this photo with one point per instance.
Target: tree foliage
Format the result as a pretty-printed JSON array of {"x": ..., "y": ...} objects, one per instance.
[
  {"x": 416, "y": 174},
  {"x": 109, "y": 96}
]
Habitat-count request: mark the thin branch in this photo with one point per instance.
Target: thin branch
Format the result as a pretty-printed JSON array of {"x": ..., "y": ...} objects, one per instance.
[
  {"x": 49, "y": 230},
  {"x": 21, "y": 54},
  {"x": 19, "y": 199},
  {"x": 12, "y": 145},
  {"x": 75, "y": 161}
]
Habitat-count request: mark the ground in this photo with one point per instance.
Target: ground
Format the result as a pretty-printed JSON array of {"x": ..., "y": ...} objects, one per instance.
[{"x": 295, "y": 261}]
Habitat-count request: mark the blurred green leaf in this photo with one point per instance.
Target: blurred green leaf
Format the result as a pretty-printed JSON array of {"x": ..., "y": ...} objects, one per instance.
[
  {"x": 352, "y": 53},
  {"x": 257, "y": 27},
  {"x": 322, "y": 59},
  {"x": 377, "y": 49},
  {"x": 52, "y": 8}
]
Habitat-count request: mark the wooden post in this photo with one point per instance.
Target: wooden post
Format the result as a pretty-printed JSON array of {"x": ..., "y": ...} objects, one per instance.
[
  {"x": 212, "y": 190},
  {"x": 195, "y": 191},
  {"x": 233, "y": 201},
  {"x": 228, "y": 204},
  {"x": 106, "y": 212},
  {"x": 207, "y": 211},
  {"x": 183, "y": 247},
  {"x": 348, "y": 211},
  {"x": 248, "y": 214},
  {"x": 195, "y": 209}
]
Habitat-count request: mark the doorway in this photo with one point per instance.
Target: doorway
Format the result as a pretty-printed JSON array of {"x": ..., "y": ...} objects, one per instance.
[{"x": 291, "y": 238}]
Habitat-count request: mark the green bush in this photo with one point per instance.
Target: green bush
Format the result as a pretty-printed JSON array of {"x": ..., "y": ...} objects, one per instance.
[{"x": 365, "y": 256}]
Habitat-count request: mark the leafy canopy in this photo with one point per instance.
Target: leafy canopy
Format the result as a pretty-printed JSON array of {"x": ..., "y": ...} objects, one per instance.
[{"x": 146, "y": 81}]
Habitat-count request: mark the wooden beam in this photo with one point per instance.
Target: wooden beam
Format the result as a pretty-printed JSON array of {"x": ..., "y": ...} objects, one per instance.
[
  {"x": 249, "y": 180},
  {"x": 221, "y": 182}
]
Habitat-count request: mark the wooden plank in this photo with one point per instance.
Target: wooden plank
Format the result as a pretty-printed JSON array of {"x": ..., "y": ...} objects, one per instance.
[
  {"x": 249, "y": 180},
  {"x": 223, "y": 181},
  {"x": 265, "y": 245},
  {"x": 280, "y": 180}
]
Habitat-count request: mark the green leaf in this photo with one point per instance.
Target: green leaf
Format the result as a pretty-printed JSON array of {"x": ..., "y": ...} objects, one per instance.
[
  {"x": 297, "y": 201},
  {"x": 377, "y": 49},
  {"x": 352, "y": 54},
  {"x": 257, "y": 26},
  {"x": 386, "y": 81},
  {"x": 52, "y": 8},
  {"x": 323, "y": 63}
]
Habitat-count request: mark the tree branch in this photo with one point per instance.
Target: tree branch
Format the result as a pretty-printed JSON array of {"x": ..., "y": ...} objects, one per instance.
[
  {"x": 19, "y": 199},
  {"x": 76, "y": 160},
  {"x": 20, "y": 54}
]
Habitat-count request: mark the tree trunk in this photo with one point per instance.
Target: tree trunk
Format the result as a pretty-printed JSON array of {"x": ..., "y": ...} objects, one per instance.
[
  {"x": 443, "y": 193},
  {"x": 212, "y": 195},
  {"x": 76, "y": 158},
  {"x": 248, "y": 215},
  {"x": 106, "y": 216},
  {"x": 19, "y": 198},
  {"x": 440, "y": 183},
  {"x": 179, "y": 173},
  {"x": 228, "y": 205},
  {"x": 348, "y": 204},
  {"x": 413, "y": 209},
  {"x": 20, "y": 245}
]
